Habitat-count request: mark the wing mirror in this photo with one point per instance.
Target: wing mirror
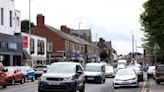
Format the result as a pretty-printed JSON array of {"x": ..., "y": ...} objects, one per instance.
[{"x": 5, "y": 70}]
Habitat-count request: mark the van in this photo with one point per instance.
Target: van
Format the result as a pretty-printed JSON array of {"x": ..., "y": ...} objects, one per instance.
[
  {"x": 95, "y": 72},
  {"x": 3, "y": 76}
]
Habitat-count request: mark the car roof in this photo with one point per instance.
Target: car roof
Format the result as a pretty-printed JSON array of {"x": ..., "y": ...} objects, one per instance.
[
  {"x": 71, "y": 63},
  {"x": 95, "y": 64}
]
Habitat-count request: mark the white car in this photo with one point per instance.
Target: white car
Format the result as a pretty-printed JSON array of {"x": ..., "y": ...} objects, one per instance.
[
  {"x": 109, "y": 71},
  {"x": 125, "y": 77},
  {"x": 151, "y": 71},
  {"x": 95, "y": 72}
]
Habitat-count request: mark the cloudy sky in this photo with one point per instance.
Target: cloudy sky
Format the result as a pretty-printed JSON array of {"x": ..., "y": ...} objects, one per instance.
[{"x": 110, "y": 19}]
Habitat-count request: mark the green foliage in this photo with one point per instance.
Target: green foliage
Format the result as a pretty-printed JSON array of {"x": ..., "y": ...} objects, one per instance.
[
  {"x": 25, "y": 25},
  {"x": 152, "y": 21}
]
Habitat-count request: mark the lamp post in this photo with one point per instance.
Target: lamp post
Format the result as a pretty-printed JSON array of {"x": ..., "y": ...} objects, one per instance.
[
  {"x": 30, "y": 30},
  {"x": 79, "y": 25},
  {"x": 132, "y": 48}
]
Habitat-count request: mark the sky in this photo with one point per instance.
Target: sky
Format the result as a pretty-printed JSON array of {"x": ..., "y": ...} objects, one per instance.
[{"x": 112, "y": 20}]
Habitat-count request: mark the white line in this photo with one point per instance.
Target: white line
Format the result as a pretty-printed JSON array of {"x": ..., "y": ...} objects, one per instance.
[{"x": 143, "y": 88}]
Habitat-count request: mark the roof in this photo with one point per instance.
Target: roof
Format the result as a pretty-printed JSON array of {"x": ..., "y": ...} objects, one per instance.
[
  {"x": 64, "y": 35},
  {"x": 69, "y": 63},
  {"x": 95, "y": 64}
]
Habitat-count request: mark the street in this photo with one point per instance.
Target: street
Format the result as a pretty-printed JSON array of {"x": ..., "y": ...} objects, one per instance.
[{"x": 90, "y": 87}]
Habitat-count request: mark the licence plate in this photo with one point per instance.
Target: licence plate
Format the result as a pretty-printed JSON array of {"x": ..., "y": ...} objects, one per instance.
[
  {"x": 54, "y": 83},
  {"x": 90, "y": 78},
  {"x": 161, "y": 76}
]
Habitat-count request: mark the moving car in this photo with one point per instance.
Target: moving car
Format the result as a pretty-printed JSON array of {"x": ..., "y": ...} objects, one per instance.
[
  {"x": 14, "y": 75},
  {"x": 28, "y": 72},
  {"x": 109, "y": 71},
  {"x": 159, "y": 74},
  {"x": 3, "y": 76},
  {"x": 95, "y": 72},
  {"x": 125, "y": 77},
  {"x": 151, "y": 71},
  {"x": 63, "y": 77},
  {"x": 138, "y": 70},
  {"x": 39, "y": 70}
]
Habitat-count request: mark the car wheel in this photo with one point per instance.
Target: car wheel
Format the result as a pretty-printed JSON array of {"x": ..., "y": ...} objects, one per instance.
[
  {"x": 83, "y": 88},
  {"x": 22, "y": 80},
  {"x": 104, "y": 80},
  {"x": 158, "y": 82},
  {"x": 5, "y": 85},
  {"x": 12, "y": 81},
  {"x": 33, "y": 79}
]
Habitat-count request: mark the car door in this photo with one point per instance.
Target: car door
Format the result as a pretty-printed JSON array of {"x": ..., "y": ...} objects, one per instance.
[
  {"x": 79, "y": 76},
  {"x": 30, "y": 72}
]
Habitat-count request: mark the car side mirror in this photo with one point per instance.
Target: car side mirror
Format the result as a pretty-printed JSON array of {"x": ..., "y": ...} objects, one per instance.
[
  {"x": 5, "y": 70},
  {"x": 44, "y": 71},
  {"x": 79, "y": 72}
]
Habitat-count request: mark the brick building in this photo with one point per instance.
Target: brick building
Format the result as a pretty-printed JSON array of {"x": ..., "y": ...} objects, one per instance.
[{"x": 60, "y": 44}]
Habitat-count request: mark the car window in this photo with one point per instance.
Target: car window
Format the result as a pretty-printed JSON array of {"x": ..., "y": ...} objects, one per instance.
[
  {"x": 160, "y": 68},
  {"x": 61, "y": 68},
  {"x": 93, "y": 68},
  {"x": 125, "y": 72}
]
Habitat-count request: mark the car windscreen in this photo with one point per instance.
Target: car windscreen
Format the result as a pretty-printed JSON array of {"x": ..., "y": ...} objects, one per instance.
[
  {"x": 61, "y": 68},
  {"x": 160, "y": 68},
  {"x": 41, "y": 67},
  {"x": 24, "y": 68},
  {"x": 90, "y": 68},
  {"x": 125, "y": 72},
  {"x": 10, "y": 69}
]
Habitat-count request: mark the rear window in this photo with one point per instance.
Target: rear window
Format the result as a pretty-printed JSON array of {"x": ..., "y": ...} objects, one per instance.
[
  {"x": 160, "y": 68},
  {"x": 41, "y": 66}
]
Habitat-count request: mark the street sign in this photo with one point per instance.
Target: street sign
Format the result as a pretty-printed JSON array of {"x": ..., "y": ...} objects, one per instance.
[{"x": 156, "y": 46}]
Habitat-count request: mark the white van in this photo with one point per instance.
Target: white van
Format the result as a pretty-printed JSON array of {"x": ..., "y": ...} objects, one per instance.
[{"x": 95, "y": 72}]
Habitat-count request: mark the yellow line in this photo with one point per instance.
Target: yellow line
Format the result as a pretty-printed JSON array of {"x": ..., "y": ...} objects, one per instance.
[{"x": 143, "y": 88}]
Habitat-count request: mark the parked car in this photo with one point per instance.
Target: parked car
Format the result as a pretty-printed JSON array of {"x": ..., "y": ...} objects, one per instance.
[
  {"x": 109, "y": 71},
  {"x": 3, "y": 76},
  {"x": 39, "y": 70},
  {"x": 159, "y": 74},
  {"x": 151, "y": 71},
  {"x": 138, "y": 70},
  {"x": 63, "y": 77},
  {"x": 125, "y": 77},
  {"x": 14, "y": 75},
  {"x": 95, "y": 72},
  {"x": 28, "y": 72}
]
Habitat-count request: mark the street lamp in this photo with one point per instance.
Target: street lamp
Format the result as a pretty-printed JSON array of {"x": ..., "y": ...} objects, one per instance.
[{"x": 79, "y": 25}]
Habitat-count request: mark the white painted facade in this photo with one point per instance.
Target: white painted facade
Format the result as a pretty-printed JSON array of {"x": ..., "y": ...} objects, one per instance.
[
  {"x": 35, "y": 56},
  {"x": 7, "y": 6}
]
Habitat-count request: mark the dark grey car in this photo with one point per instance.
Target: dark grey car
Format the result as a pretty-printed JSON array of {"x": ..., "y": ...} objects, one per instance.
[{"x": 63, "y": 77}]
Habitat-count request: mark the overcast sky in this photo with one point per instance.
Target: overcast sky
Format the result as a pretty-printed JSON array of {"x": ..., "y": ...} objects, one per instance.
[{"x": 110, "y": 19}]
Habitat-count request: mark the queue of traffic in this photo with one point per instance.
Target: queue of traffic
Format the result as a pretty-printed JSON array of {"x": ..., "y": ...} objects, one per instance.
[{"x": 71, "y": 76}]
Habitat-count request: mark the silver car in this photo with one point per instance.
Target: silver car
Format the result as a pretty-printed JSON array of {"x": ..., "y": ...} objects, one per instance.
[
  {"x": 63, "y": 77},
  {"x": 125, "y": 77}
]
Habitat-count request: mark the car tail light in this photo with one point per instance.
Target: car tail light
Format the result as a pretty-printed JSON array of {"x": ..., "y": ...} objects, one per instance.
[{"x": 157, "y": 74}]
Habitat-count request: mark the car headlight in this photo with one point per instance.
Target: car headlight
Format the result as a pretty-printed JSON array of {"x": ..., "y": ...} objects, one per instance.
[
  {"x": 69, "y": 78},
  {"x": 43, "y": 78},
  {"x": 133, "y": 79},
  {"x": 117, "y": 80}
]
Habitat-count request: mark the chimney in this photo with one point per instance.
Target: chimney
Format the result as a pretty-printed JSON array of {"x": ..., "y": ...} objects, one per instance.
[
  {"x": 40, "y": 20},
  {"x": 63, "y": 28}
]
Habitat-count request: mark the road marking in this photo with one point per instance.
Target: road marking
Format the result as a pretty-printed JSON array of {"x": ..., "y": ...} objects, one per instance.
[{"x": 143, "y": 88}]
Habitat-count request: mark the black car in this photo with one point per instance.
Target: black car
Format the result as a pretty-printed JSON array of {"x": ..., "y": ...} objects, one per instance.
[
  {"x": 159, "y": 74},
  {"x": 63, "y": 77}
]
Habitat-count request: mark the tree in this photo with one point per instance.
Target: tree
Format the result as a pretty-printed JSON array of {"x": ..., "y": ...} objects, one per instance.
[
  {"x": 25, "y": 25},
  {"x": 153, "y": 27},
  {"x": 103, "y": 50}
]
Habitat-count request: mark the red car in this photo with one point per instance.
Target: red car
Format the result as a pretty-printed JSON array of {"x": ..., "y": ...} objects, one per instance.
[
  {"x": 14, "y": 75},
  {"x": 3, "y": 76}
]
